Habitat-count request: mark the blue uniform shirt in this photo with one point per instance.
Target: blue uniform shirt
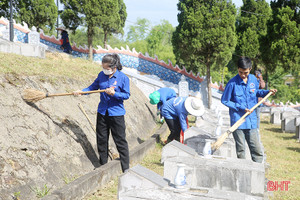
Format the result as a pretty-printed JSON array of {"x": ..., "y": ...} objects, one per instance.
[
  {"x": 113, "y": 104},
  {"x": 165, "y": 95},
  {"x": 65, "y": 42},
  {"x": 238, "y": 96},
  {"x": 174, "y": 108}
]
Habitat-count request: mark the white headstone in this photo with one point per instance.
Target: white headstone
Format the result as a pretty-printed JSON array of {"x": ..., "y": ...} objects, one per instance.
[
  {"x": 5, "y": 33},
  {"x": 183, "y": 86},
  {"x": 33, "y": 36}
]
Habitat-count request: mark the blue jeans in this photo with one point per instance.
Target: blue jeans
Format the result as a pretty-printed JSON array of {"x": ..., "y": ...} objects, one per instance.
[
  {"x": 252, "y": 138},
  {"x": 258, "y": 116}
]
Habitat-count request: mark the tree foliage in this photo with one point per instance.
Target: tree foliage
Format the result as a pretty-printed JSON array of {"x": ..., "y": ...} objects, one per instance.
[
  {"x": 281, "y": 45},
  {"x": 205, "y": 36},
  {"x": 285, "y": 92},
  {"x": 109, "y": 15},
  {"x": 139, "y": 30},
  {"x": 159, "y": 41},
  {"x": 252, "y": 28},
  {"x": 39, "y": 13}
]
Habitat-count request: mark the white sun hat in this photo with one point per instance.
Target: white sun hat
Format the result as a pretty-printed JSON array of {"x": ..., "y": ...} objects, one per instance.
[{"x": 194, "y": 106}]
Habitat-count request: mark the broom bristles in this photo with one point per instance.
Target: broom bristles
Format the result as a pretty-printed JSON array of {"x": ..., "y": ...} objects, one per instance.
[{"x": 32, "y": 95}]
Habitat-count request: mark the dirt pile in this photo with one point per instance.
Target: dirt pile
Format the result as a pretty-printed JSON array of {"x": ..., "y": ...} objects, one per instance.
[{"x": 50, "y": 143}]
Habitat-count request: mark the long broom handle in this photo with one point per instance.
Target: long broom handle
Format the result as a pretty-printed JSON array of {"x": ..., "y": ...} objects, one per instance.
[
  {"x": 221, "y": 139},
  {"x": 83, "y": 111},
  {"x": 242, "y": 119},
  {"x": 71, "y": 93},
  {"x": 110, "y": 154}
]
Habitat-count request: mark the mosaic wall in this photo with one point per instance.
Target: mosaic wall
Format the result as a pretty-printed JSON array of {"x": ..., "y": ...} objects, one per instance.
[{"x": 129, "y": 58}]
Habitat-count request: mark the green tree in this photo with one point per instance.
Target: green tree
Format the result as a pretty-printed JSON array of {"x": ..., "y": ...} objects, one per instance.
[
  {"x": 39, "y": 13},
  {"x": 138, "y": 31},
  {"x": 113, "y": 23},
  {"x": 109, "y": 15},
  {"x": 205, "y": 36},
  {"x": 252, "y": 28},
  {"x": 285, "y": 93},
  {"x": 281, "y": 45},
  {"x": 159, "y": 41},
  {"x": 139, "y": 46}
]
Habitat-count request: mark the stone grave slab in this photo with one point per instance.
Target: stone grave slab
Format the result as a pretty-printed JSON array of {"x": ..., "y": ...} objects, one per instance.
[
  {"x": 190, "y": 194},
  {"x": 195, "y": 137},
  {"x": 227, "y": 174},
  {"x": 142, "y": 178},
  {"x": 177, "y": 149}
]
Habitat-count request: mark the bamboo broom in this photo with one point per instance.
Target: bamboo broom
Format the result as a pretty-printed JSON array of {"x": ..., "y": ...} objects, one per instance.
[
  {"x": 32, "y": 95},
  {"x": 216, "y": 145}
]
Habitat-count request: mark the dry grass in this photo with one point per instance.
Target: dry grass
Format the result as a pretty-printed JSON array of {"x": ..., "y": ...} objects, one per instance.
[
  {"x": 283, "y": 155},
  {"x": 55, "y": 65}
]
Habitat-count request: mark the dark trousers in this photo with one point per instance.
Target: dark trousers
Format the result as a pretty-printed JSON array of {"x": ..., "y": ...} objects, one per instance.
[
  {"x": 175, "y": 128},
  {"x": 115, "y": 124}
]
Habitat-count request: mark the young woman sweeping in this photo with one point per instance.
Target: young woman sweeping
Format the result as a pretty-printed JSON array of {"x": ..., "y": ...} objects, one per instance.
[{"x": 111, "y": 111}]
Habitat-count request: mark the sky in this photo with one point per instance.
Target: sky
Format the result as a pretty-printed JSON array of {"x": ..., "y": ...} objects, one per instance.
[{"x": 156, "y": 10}]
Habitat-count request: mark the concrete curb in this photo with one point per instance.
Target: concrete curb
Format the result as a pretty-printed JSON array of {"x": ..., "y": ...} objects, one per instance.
[{"x": 92, "y": 181}]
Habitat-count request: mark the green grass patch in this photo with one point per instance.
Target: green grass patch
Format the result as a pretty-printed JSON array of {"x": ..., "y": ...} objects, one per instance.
[{"x": 283, "y": 155}]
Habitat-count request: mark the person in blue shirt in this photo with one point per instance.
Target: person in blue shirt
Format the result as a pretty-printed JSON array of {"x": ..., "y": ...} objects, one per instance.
[
  {"x": 161, "y": 96},
  {"x": 65, "y": 43},
  {"x": 111, "y": 111},
  {"x": 240, "y": 95},
  {"x": 175, "y": 112}
]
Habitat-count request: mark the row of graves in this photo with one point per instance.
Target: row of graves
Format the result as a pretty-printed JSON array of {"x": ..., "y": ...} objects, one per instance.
[
  {"x": 192, "y": 173},
  {"x": 287, "y": 117}
]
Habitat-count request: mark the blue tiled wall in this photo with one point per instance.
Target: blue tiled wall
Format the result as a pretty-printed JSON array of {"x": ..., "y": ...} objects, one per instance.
[{"x": 134, "y": 62}]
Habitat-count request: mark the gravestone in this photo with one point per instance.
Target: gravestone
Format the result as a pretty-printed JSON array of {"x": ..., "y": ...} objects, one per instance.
[
  {"x": 195, "y": 137},
  {"x": 5, "y": 33},
  {"x": 288, "y": 121},
  {"x": 298, "y": 133},
  {"x": 142, "y": 178},
  {"x": 275, "y": 116},
  {"x": 297, "y": 124},
  {"x": 183, "y": 87},
  {"x": 141, "y": 183},
  {"x": 34, "y": 37},
  {"x": 204, "y": 92},
  {"x": 177, "y": 149},
  {"x": 227, "y": 174}
]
